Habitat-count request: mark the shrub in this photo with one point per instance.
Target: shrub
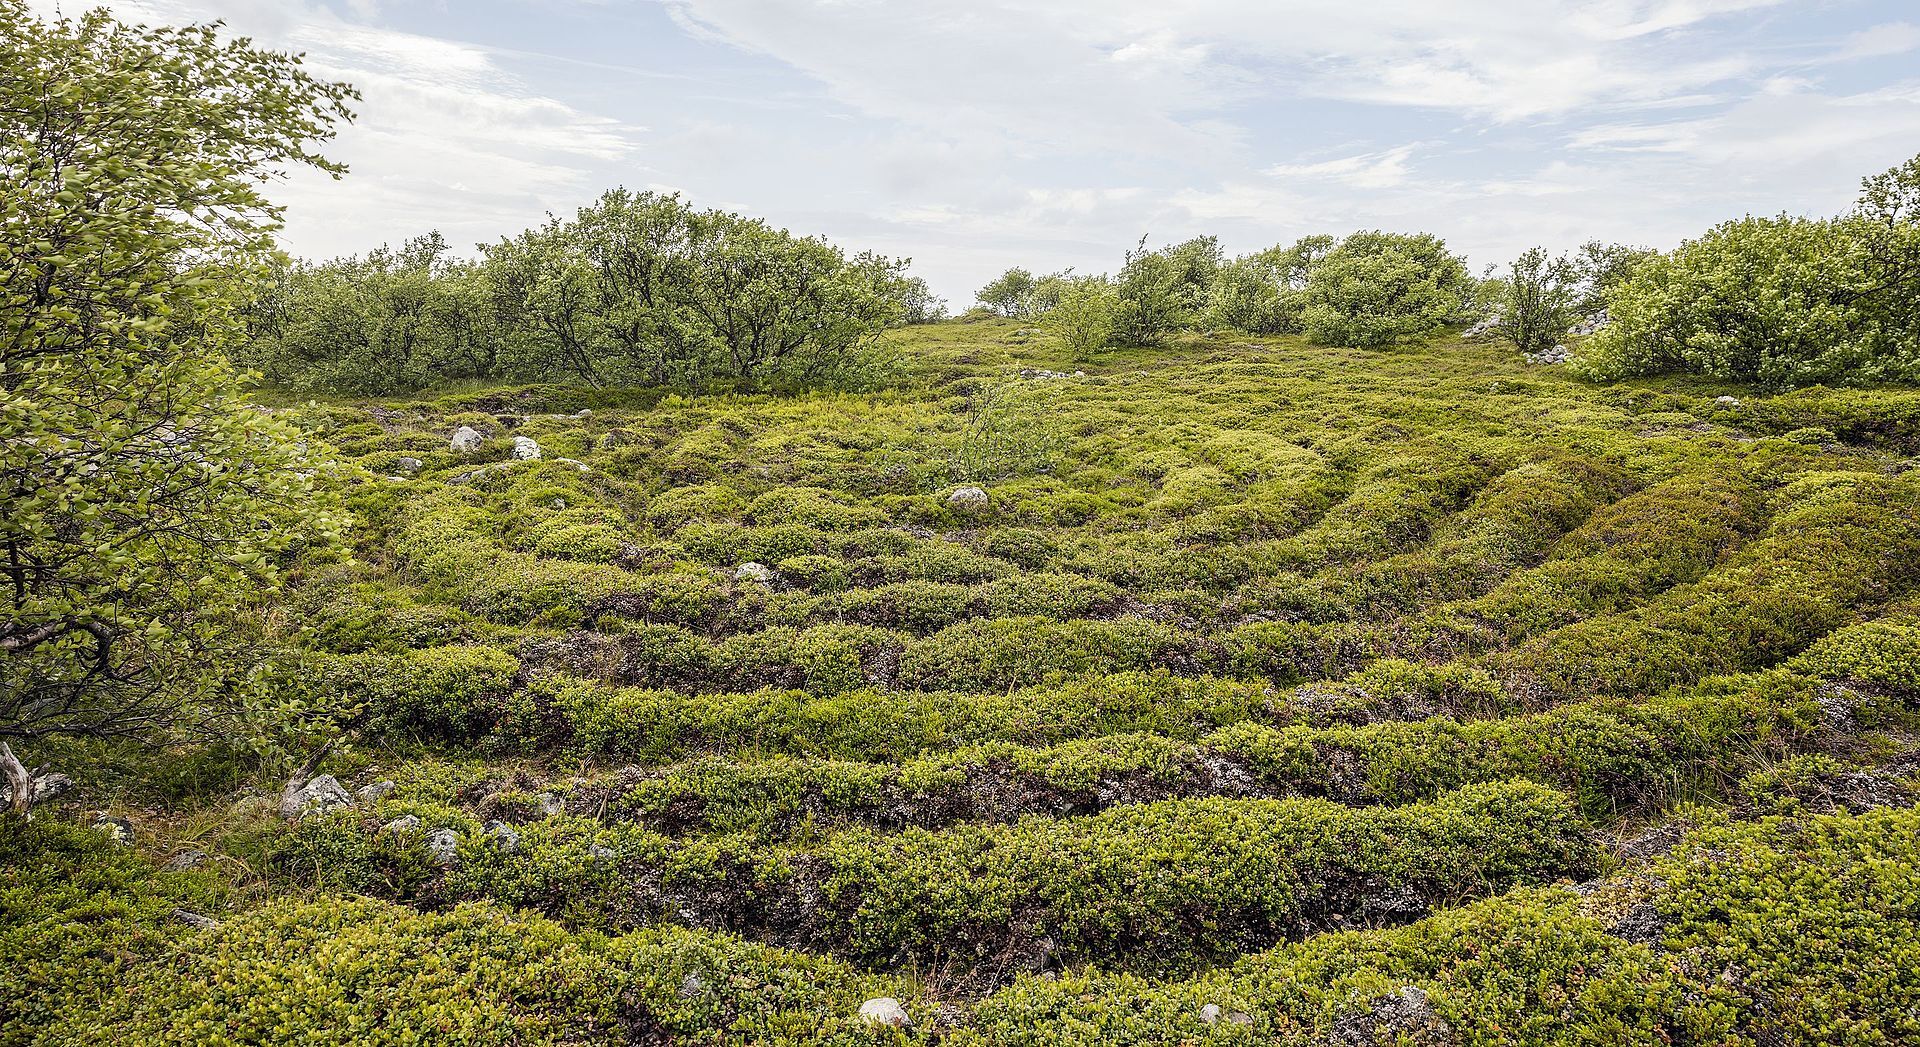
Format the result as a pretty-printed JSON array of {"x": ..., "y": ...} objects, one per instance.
[{"x": 1376, "y": 289}]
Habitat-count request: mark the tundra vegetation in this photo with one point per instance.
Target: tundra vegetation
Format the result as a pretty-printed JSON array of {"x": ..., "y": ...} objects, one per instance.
[{"x": 655, "y": 628}]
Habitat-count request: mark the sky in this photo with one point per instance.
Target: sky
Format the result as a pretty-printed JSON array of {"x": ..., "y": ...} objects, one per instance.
[{"x": 973, "y": 135}]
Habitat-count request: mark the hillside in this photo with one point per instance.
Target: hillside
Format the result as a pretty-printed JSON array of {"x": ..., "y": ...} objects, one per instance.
[{"x": 1241, "y": 690}]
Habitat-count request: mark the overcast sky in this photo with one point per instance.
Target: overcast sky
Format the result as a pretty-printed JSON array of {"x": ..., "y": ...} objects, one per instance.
[{"x": 972, "y": 135}]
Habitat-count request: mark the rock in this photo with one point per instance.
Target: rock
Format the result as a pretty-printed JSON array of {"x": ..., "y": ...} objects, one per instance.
[
  {"x": 375, "y": 792},
  {"x": 467, "y": 440},
  {"x": 1641, "y": 923},
  {"x": 525, "y": 449},
  {"x": 187, "y": 860},
  {"x": 1555, "y": 355},
  {"x": 692, "y": 986},
  {"x": 1403, "y": 1016},
  {"x": 119, "y": 830},
  {"x": 408, "y": 465},
  {"x": 1729, "y": 402},
  {"x": 406, "y": 823},
  {"x": 884, "y": 1011},
  {"x": 319, "y": 795},
  {"x": 752, "y": 571},
  {"x": 1486, "y": 327},
  {"x": 579, "y": 466},
  {"x": 196, "y": 921},
  {"x": 1592, "y": 325},
  {"x": 616, "y": 438},
  {"x": 443, "y": 845},
  {"x": 1032, "y": 373},
  {"x": 584, "y": 412},
  {"x": 48, "y": 786},
  {"x": 1210, "y": 1013},
  {"x": 967, "y": 500},
  {"x": 551, "y": 805},
  {"x": 504, "y": 838}
]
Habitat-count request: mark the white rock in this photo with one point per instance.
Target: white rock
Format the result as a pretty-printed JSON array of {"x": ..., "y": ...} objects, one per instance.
[
  {"x": 525, "y": 449},
  {"x": 1210, "y": 1013},
  {"x": 884, "y": 1011},
  {"x": 967, "y": 499},
  {"x": 467, "y": 439},
  {"x": 318, "y": 796},
  {"x": 1727, "y": 401},
  {"x": 406, "y": 823},
  {"x": 375, "y": 792},
  {"x": 752, "y": 571},
  {"x": 119, "y": 830},
  {"x": 408, "y": 465},
  {"x": 443, "y": 845}
]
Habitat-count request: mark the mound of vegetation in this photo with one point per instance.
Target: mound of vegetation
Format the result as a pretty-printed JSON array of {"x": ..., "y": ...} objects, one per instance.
[{"x": 1347, "y": 682}]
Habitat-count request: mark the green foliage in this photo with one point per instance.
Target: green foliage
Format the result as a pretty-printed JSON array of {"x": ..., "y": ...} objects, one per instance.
[
  {"x": 1778, "y": 302},
  {"x": 1539, "y": 300},
  {"x": 145, "y": 498},
  {"x": 1377, "y": 289},
  {"x": 1160, "y": 292},
  {"x": 1084, "y": 319}
]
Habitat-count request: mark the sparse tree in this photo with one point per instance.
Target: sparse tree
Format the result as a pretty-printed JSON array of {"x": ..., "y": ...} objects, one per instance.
[
  {"x": 141, "y": 496},
  {"x": 1539, "y": 300},
  {"x": 1009, "y": 294},
  {"x": 1082, "y": 319},
  {"x": 1378, "y": 288}
]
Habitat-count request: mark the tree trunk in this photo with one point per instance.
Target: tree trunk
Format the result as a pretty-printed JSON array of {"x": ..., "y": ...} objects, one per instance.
[{"x": 19, "y": 782}]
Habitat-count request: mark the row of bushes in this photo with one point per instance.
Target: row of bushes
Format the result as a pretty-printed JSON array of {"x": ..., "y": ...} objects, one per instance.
[
  {"x": 1155, "y": 886},
  {"x": 1785, "y": 931}
]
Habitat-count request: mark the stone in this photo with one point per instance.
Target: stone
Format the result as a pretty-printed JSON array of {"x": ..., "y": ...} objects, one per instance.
[
  {"x": 1555, "y": 355},
  {"x": 375, "y": 792},
  {"x": 187, "y": 860},
  {"x": 1403, "y": 1016},
  {"x": 48, "y": 786},
  {"x": 443, "y": 845},
  {"x": 1592, "y": 325},
  {"x": 617, "y": 438},
  {"x": 525, "y": 449},
  {"x": 319, "y": 795},
  {"x": 1726, "y": 401},
  {"x": 551, "y": 805},
  {"x": 885, "y": 1011},
  {"x": 119, "y": 830},
  {"x": 752, "y": 571},
  {"x": 406, "y": 823},
  {"x": 967, "y": 499},
  {"x": 467, "y": 440},
  {"x": 600, "y": 853},
  {"x": 504, "y": 838},
  {"x": 1210, "y": 1013},
  {"x": 408, "y": 465},
  {"x": 195, "y": 920}
]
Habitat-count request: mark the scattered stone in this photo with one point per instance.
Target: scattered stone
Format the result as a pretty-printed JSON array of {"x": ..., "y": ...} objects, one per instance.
[
  {"x": 1592, "y": 325},
  {"x": 503, "y": 836},
  {"x": 195, "y": 920},
  {"x": 467, "y": 440},
  {"x": 1729, "y": 402},
  {"x": 119, "y": 830},
  {"x": 579, "y": 466},
  {"x": 48, "y": 786},
  {"x": 967, "y": 500},
  {"x": 1403, "y": 1016},
  {"x": 374, "y": 793},
  {"x": 1555, "y": 355},
  {"x": 443, "y": 845},
  {"x": 884, "y": 1011},
  {"x": 1485, "y": 327},
  {"x": 1210, "y": 1013},
  {"x": 406, "y": 823},
  {"x": 187, "y": 860},
  {"x": 753, "y": 571},
  {"x": 408, "y": 465},
  {"x": 1641, "y": 924},
  {"x": 320, "y": 795},
  {"x": 584, "y": 412},
  {"x": 1036, "y": 374},
  {"x": 525, "y": 449},
  {"x": 551, "y": 805}
]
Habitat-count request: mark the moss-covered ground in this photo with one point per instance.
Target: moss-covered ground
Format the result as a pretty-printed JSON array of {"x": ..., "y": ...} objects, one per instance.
[{"x": 1276, "y": 693}]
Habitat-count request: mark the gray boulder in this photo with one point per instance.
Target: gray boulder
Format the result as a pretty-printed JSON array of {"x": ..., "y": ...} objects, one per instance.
[
  {"x": 752, "y": 571},
  {"x": 375, "y": 792},
  {"x": 504, "y": 838},
  {"x": 1403, "y": 1016},
  {"x": 525, "y": 449},
  {"x": 1729, "y": 402},
  {"x": 187, "y": 860},
  {"x": 467, "y": 440},
  {"x": 967, "y": 499},
  {"x": 443, "y": 845},
  {"x": 406, "y": 823},
  {"x": 408, "y": 465},
  {"x": 48, "y": 786},
  {"x": 319, "y": 795}
]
